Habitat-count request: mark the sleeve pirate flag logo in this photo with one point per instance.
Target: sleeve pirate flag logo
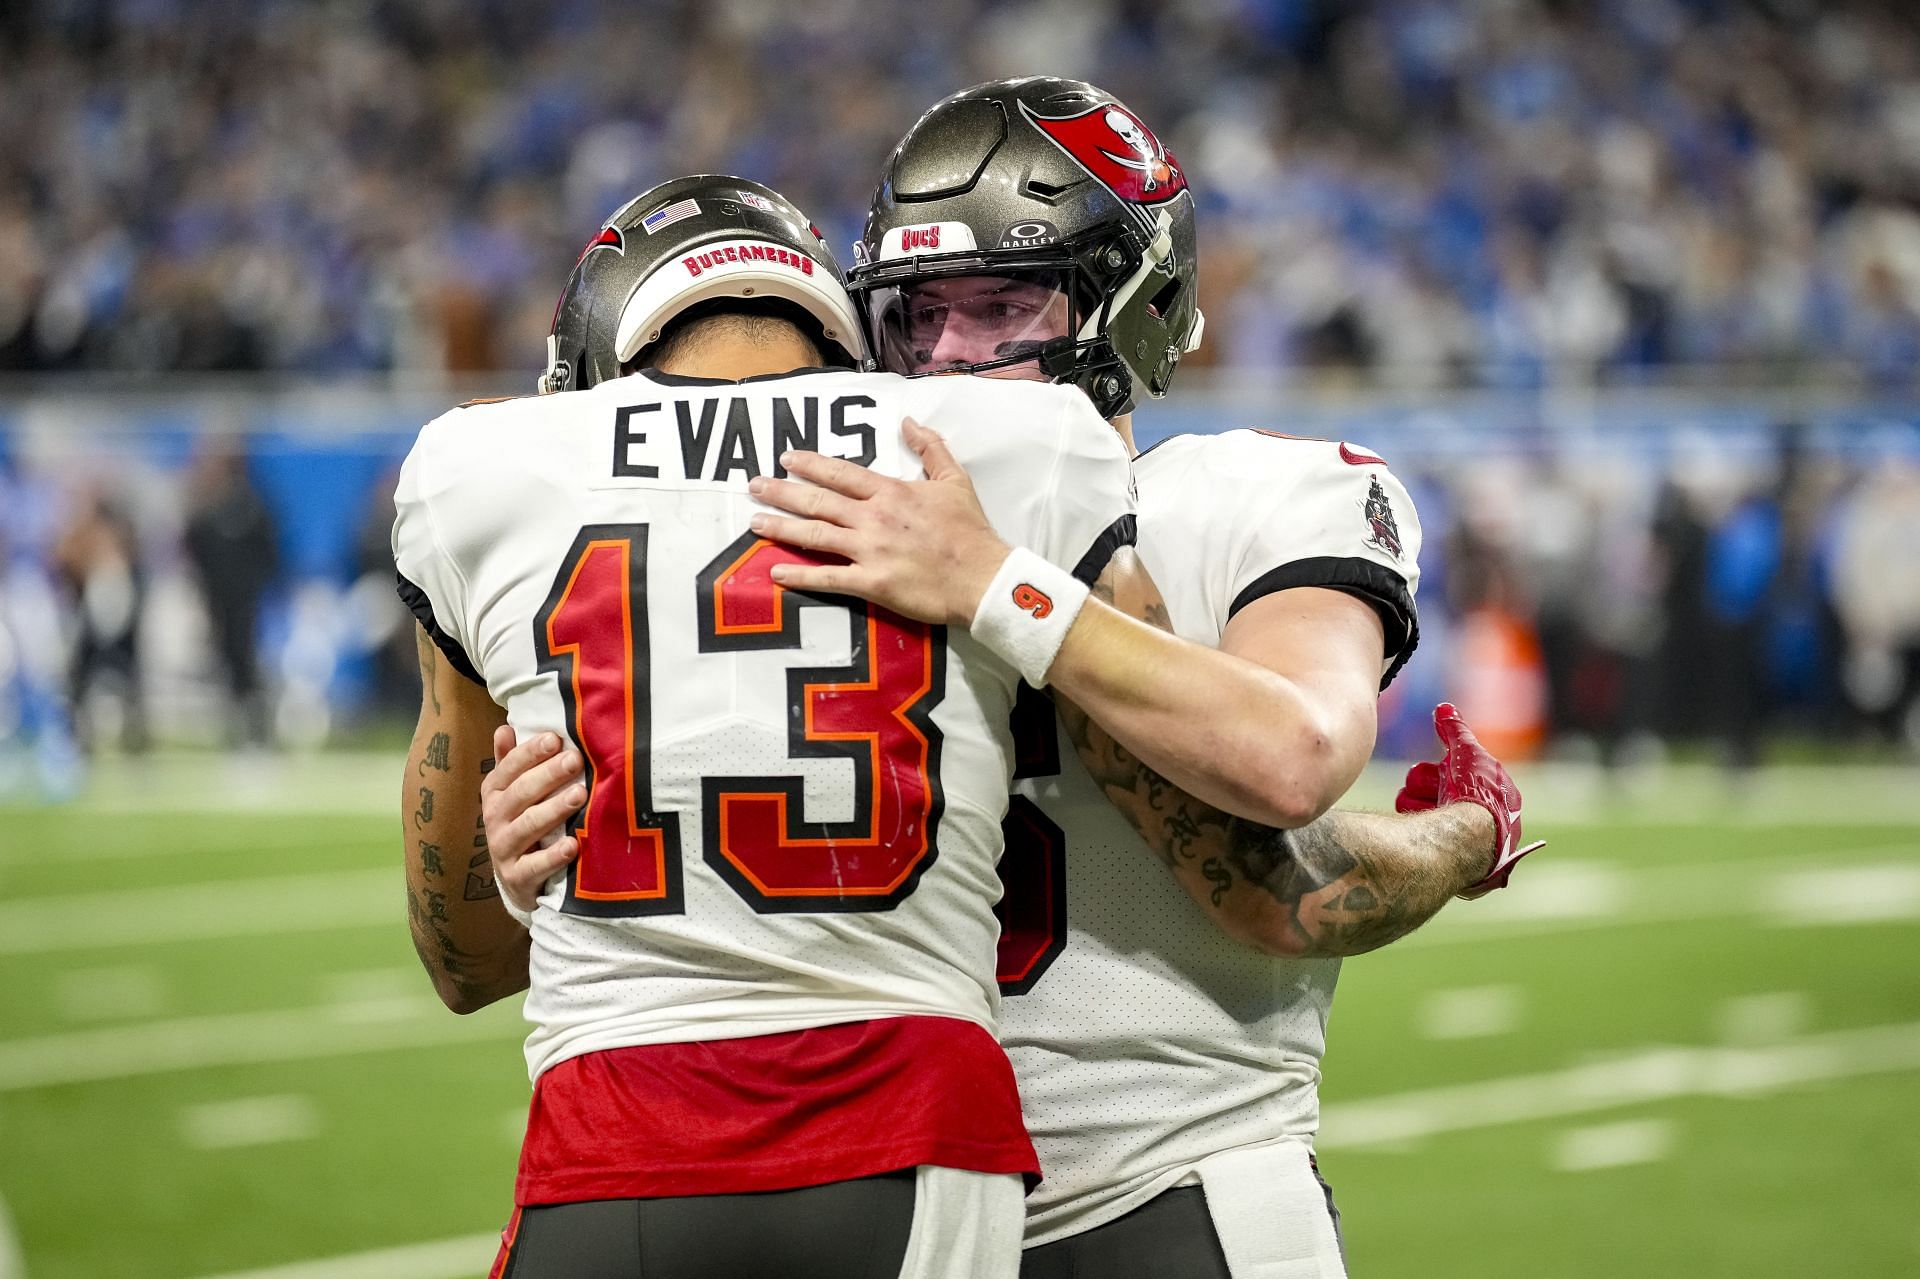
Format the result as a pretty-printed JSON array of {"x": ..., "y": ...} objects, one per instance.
[
  {"x": 1386, "y": 533},
  {"x": 1109, "y": 142}
]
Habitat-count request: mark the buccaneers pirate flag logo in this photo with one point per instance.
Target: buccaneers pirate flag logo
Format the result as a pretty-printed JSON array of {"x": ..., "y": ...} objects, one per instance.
[
  {"x": 1109, "y": 142},
  {"x": 1379, "y": 513}
]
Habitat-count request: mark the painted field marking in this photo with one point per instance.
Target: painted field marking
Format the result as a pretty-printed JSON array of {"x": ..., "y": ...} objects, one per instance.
[
  {"x": 464, "y": 1257},
  {"x": 292, "y": 843},
  {"x": 1563, "y": 897},
  {"x": 1548, "y": 897},
  {"x": 1754, "y": 1021},
  {"x": 1621, "y": 1145},
  {"x": 360, "y": 783},
  {"x": 1633, "y": 1079},
  {"x": 109, "y": 994},
  {"x": 1471, "y": 1012},
  {"x": 12, "y": 1264},
  {"x": 255, "y": 907},
  {"x": 244, "y": 1039},
  {"x": 1849, "y": 895},
  {"x": 249, "y": 1121}
]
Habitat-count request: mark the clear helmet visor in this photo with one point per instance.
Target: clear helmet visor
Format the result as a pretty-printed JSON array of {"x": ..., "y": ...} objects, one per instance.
[{"x": 970, "y": 323}]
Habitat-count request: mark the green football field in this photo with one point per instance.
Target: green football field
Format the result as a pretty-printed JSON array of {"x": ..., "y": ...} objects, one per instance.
[{"x": 1686, "y": 1042}]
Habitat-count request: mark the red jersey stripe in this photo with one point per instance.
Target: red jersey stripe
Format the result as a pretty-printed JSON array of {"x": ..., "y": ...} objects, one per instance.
[{"x": 773, "y": 1112}]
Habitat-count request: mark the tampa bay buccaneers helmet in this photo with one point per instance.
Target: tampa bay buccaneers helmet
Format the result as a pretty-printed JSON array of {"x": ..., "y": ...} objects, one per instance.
[
  {"x": 1044, "y": 180},
  {"x": 688, "y": 247}
]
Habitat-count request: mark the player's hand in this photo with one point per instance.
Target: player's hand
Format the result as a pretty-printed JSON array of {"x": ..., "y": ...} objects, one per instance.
[
  {"x": 922, "y": 548},
  {"x": 529, "y": 794},
  {"x": 1467, "y": 773}
]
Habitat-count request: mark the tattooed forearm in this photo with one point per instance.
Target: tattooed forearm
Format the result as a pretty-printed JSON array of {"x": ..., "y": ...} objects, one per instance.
[
  {"x": 1341, "y": 895},
  {"x": 480, "y": 881},
  {"x": 429, "y": 667},
  {"x": 474, "y": 951},
  {"x": 473, "y": 980},
  {"x": 435, "y": 756},
  {"x": 1346, "y": 884}
]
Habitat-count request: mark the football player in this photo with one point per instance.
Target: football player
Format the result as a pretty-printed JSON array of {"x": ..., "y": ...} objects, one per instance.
[
  {"x": 762, "y": 988},
  {"x": 762, "y": 993},
  {"x": 1037, "y": 228}
]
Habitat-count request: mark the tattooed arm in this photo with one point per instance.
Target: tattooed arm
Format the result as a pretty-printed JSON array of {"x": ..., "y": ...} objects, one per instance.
[
  {"x": 1346, "y": 884},
  {"x": 472, "y": 949}
]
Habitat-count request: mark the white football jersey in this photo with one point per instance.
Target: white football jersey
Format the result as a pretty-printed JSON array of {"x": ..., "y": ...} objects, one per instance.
[
  {"x": 795, "y": 801},
  {"x": 1150, "y": 1039}
]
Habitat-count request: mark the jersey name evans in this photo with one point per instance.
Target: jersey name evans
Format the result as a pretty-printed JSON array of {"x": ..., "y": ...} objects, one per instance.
[{"x": 736, "y": 444}]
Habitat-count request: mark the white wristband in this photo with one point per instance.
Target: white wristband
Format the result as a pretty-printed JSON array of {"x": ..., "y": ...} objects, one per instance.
[{"x": 1024, "y": 616}]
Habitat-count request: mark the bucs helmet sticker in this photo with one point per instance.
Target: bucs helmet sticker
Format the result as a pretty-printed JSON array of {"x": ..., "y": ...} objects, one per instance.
[
  {"x": 1109, "y": 142},
  {"x": 1379, "y": 513},
  {"x": 754, "y": 200},
  {"x": 927, "y": 237}
]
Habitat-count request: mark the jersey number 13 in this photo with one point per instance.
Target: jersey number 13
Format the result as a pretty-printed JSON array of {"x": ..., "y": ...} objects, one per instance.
[{"x": 875, "y": 711}]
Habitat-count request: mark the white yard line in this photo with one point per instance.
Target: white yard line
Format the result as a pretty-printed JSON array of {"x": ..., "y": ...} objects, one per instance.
[
  {"x": 244, "y": 1039},
  {"x": 240, "y": 1122},
  {"x": 465, "y": 1257},
  {"x": 1838, "y": 886},
  {"x": 336, "y": 783},
  {"x": 1882, "y": 883},
  {"x": 1470, "y": 1012},
  {"x": 197, "y": 912},
  {"x": 294, "y": 844},
  {"x": 1650, "y": 1075},
  {"x": 1621, "y": 1145},
  {"x": 12, "y": 1264},
  {"x": 119, "y": 993}
]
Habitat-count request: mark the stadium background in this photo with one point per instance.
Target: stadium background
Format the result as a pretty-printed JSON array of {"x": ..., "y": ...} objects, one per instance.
[{"x": 1629, "y": 292}]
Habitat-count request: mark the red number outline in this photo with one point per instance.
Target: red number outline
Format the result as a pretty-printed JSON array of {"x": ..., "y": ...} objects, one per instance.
[
  {"x": 603, "y": 856},
  {"x": 889, "y": 838}
]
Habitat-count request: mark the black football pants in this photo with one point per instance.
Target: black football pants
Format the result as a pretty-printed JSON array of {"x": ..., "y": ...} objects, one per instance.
[
  {"x": 845, "y": 1230},
  {"x": 1168, "y": 1237},
  {"x": 1171, "y": 1236}
]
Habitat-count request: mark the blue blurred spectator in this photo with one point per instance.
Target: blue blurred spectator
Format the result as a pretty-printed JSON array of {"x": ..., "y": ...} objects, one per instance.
[{"x": 1424, "y": 192}]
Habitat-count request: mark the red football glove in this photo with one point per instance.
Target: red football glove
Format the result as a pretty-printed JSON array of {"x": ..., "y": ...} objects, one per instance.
[{"x": 1468, "y": 773}]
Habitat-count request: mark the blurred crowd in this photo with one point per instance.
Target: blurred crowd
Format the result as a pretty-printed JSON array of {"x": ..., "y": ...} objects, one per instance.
[
  {"x": 1723, "y": 591},
  {"x": 1416, "y": 192}
]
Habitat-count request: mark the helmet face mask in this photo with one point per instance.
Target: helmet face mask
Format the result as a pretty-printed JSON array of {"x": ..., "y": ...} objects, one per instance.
[
  {"x": 977, "y": 323},
  {"x": 682, "y": 249},
  {"x": 1042, "y": 176}
]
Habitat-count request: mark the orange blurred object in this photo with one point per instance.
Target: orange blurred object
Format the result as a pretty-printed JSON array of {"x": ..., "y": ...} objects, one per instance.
[{"x": 1501, "y": 681}]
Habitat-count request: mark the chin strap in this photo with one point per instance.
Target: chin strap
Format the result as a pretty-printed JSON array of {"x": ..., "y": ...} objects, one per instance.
[{"x": 559, "y": 374}]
